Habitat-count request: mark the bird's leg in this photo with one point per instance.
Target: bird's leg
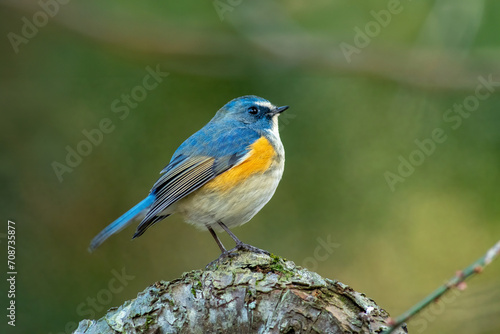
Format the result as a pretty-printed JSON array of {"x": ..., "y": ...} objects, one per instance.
[
  {"x": 241, "y": 245},
  {"x": 224, "y": 252},
  {"x": 232, "y": 252},
  {"x": 217, "y": 240}
]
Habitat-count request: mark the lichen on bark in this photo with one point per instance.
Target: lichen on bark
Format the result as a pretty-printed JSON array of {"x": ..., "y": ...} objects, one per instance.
[{"x": 247, "y": 293}]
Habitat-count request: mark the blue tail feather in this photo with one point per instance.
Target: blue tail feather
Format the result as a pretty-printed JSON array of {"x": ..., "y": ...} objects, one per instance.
[{"x": 121, "y": 223}]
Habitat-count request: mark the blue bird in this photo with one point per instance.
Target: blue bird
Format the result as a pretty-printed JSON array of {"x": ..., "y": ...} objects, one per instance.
[{"x": 220, "y": 177}]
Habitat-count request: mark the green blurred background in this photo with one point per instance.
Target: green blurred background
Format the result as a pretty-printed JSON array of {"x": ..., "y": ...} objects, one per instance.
[{"x": 349, "y": 123}]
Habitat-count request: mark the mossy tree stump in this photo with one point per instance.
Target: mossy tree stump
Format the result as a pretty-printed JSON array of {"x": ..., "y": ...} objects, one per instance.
[{"x": 247, "y": 293}]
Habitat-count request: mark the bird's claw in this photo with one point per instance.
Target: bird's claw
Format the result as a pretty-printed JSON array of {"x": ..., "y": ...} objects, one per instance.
[{"x": 234, "y": 251}]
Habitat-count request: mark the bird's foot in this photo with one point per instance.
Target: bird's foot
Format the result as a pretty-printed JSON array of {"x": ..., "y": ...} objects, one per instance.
[
  {"x": 234, "y": 251},
  {"x": 224, "y": 255},
  {"x": 249, "y": 248}
]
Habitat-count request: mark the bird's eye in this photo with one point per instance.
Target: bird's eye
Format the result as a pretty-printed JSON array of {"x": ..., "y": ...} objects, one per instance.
[{"x": 253, "y": 110}]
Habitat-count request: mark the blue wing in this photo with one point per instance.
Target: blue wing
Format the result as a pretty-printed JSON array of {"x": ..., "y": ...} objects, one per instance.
[{"x": 202, "y": 157}]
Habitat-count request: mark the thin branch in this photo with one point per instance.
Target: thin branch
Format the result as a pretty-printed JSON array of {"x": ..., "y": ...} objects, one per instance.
[{"x": 457, "y": 281}]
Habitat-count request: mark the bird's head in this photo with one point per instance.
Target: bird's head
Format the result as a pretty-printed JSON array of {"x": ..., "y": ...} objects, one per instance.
[{"x": 252, "y": 111}]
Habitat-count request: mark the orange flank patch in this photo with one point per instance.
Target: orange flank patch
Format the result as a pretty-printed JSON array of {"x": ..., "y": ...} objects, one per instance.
[{"x": 259, "y": 160}]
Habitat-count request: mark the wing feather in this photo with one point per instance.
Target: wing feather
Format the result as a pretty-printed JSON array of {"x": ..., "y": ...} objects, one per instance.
[{"x": 179, "y": 182}]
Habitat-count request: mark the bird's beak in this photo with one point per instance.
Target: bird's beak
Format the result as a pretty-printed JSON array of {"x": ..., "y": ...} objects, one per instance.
[{"x": 278, "y": 110}]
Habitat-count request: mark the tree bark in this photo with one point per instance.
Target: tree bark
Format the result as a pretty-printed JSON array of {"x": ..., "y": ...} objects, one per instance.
[{"x": 247, "y": 293}]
